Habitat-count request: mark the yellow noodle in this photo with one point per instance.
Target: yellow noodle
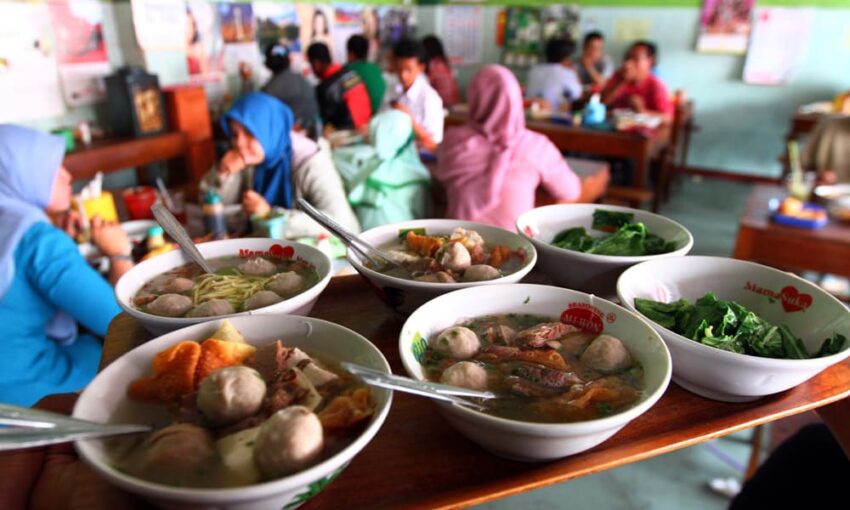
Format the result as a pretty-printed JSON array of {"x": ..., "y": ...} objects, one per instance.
[{"x": 234, "y": 288}]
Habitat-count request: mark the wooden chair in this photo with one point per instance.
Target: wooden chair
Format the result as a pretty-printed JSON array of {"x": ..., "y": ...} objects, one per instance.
[{"x": 673, "y": 162}]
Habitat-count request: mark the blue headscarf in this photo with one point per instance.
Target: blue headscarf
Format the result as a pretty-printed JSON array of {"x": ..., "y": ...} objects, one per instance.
[
  {"x": 29, "y": 161},
  {"x": 270, "y": 121}
]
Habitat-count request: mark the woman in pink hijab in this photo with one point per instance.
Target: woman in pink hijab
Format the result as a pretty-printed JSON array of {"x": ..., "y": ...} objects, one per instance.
[{"x": 492, "y": 166}]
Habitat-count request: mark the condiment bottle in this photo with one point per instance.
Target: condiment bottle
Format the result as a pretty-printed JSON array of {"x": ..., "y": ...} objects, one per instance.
[
  {"x": 594, "y": 111},
  {"x": 156, "y": 238},
  {"x": 213, "y": 210}
]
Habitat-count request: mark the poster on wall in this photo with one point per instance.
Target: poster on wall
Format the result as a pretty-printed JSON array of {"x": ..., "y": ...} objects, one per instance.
[
  {"x": 523, "y": 34},
  {"x": 80, "y": 50},
  {"x": 237, "y": 22},
  {"x": 779, "y": 45},
  {"x": 29, "y": 76},
  {"x": 560, "y": 21},
  {"x": 160, "y": 25},
  {"x": 347, "y": 22},
  {"x": 279, "y": 23},
  {"x": 316, "y": 25},
  {"x": 461, "y": 31},
  {"x": 204, "y": 44},
  {"x": 725, "y": 26}
]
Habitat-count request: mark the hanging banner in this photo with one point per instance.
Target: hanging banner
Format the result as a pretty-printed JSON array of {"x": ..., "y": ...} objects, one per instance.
[
  {"x": 29, "y": 76},
  {"x": 347, "y": 19},
  {"x": 462, "y": 34},
  {"x": 237, "y": 22},
  {"x": 160, "y": 25},
  {"x": 523, "y": 34},
  {"x": 725, "y": 26},
  {"x": 204, "y": 44},
  {"x": 779, "y": 45}
]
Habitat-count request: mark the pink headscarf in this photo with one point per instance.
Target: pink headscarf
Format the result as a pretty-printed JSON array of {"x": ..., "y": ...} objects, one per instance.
[{"x": 475, "y": 158}]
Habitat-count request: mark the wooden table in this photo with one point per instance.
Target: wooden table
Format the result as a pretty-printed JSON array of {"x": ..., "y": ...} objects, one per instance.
[
  {"x": 418, "y": 461},
  {"x": 826, "y": 249},
  {"x": 598, "y": 142}
]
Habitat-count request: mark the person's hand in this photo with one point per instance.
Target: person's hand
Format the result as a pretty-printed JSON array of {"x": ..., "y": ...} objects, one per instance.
[
  {"x": 245, "y": 70},
  {"x": 637, "y": 103},
  {"x": 109, "y": 237},
  {"x": 71, "y": 223},
  {"x": 53, "y": 477},
  {"x": 827, "y": 177},
  {"x": 254, "y": 204},
  {"x": 231, "y": 163}
]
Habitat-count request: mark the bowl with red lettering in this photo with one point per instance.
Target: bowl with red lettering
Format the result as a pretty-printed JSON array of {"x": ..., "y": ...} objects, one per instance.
[
  {"x": 737, "y": 330},
  {"x": 252, "y": 276},
  {"x": 569, "y": 369}
]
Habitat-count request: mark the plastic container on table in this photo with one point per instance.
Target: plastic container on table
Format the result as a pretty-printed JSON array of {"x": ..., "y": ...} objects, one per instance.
[
  {"x": 794, "y": 221},
  {"x": 139, "y": 201}
]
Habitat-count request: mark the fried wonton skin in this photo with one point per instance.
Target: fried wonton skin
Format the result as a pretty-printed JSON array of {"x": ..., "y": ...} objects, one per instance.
[
  {"x": 217, "y": 354},
  {"x": 173, "y": 374}
]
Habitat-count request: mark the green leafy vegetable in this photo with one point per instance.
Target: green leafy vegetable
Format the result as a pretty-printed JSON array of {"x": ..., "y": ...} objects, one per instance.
[
  {"x": 729, "y": 326},
  {"x": 628, "y": 239}
]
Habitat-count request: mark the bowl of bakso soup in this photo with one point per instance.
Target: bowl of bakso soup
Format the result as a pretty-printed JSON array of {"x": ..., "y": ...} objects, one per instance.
[
  {"x": 586, "y": 246},
  {"x": 252, "y": 276},
  {"x": 252, "y": 412},
  {"x": 433, "y": 257},
  {"x": 568, "y": 369},
  {"x": 737, "y": 330}
]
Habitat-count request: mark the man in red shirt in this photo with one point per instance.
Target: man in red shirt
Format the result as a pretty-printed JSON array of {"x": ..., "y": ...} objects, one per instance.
[
  {"x": 635, "y": 87},
  {"x": 343, "y": 98}
]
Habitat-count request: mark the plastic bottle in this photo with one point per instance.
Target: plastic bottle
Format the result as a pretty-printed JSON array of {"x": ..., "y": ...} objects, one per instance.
[
  {"x": 214, "y": 221},
  {"x": 156, "y": 238},
  {"x": 594, "y": 111}
]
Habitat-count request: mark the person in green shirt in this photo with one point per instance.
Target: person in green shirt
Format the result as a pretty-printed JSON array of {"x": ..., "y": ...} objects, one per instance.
[{"x": 370, "y": 73}]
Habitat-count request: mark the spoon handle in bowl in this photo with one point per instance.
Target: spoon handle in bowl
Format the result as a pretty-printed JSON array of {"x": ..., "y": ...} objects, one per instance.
[
  {"x": 170, "y": 224},
  {"x": 424, "y": 388},
  {"x": 17, "y": 438}
]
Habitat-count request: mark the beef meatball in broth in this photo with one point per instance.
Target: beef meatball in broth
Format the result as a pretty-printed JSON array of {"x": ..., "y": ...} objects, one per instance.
[
  {"x": 288, "y": 441},
  {"x": 231, "y": 394},
  {"x": 212, "y": 308},
  {"x": 170, "y": 305},
  {"x": 480, "y": 273},
  {"x": 179, "y": 285},
  {"x": 286, "y": 284},
  {"x": 257, "y": 266},
  {"x": 457, "y": 342},
  {"x": 261, "y": 299},
  {"x": 180, "y": 447},
  {"x": 438, "y": 277},
  {"x": 607, "y": 354},
  {"x": 466, "y": 374}
]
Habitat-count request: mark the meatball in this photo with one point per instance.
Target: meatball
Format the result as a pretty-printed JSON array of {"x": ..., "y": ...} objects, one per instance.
[
  {"x": 466, "y": 374},
  {"x": 286, "y": 284},
  {"x": 438, "y": 277},
  {"x": 257, "y": 267},
  {"x": 606, "y": 354},
  {"x": 261, "y": 299},
  {"x": 170, "y": 305},
  {"x": 290, "y": 440},
  {"x": 230, "y": 394},
  {"x": 158, "y": 283},
  {"x": 212, "y": 308},
  {"x": 455, "y": 257},
  {"x": 458, "y": 342},
  {"x": 179, "y": 285},
  {"x": 182, "y": 446},
  {"x": 480, "y": 273}
]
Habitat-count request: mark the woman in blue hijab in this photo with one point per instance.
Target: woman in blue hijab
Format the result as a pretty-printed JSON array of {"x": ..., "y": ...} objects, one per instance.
[
  {"x": 272, "y": 166},
  {"x": 46, "y": 287}
]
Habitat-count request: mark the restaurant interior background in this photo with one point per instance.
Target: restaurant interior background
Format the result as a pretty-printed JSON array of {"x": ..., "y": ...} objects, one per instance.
[
  {"x": 742, "y": 127},
  {"x": 741, "y": 131}
]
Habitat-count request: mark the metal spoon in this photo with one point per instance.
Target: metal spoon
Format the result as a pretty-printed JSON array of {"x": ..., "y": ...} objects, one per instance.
[
  {"x": 36, "y": 427},
  {"x": 170, "y": 224},
  {"x": 365, "y": 250},
  {"x": 428, "y": 389}
]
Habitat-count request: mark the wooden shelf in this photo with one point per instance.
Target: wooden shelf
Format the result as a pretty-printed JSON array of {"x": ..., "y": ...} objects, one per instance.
[{"x": 116, "y": 154}]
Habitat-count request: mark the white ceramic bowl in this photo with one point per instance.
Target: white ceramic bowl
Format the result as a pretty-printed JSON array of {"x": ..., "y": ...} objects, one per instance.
[
  {"x": 105, "y": 400},
  {"x": 776, "y": 296},
  {"x": 407, "y": 295},
  {"x": 300, "y": 304},
  {"x": 591, "y": 273},
  {"x": 529, "y": 441}
]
